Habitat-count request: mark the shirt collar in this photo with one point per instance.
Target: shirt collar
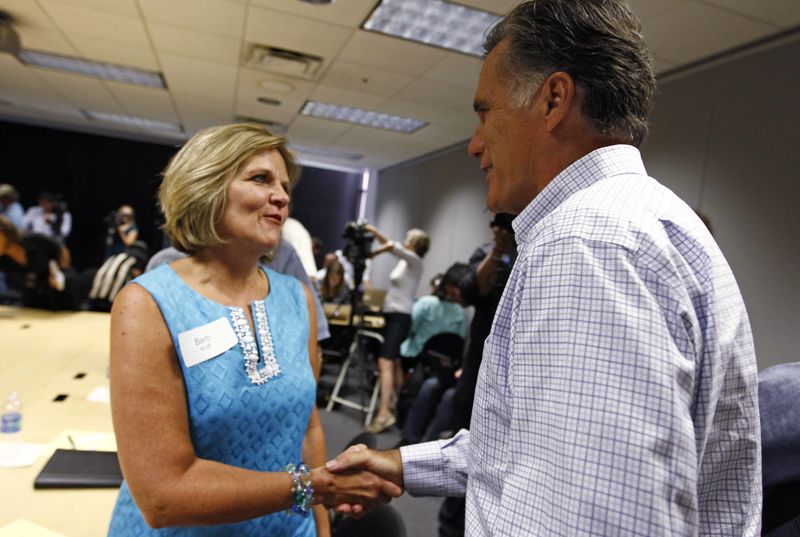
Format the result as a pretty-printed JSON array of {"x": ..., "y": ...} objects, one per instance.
[{"x": 599, "y": 164}]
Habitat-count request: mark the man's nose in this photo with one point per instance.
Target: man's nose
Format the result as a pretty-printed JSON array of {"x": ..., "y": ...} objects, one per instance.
[{"x": 476, "y": 145}]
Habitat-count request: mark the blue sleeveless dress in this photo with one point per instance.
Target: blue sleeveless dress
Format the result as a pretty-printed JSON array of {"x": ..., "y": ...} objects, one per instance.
[{"x": 232, "y": 419}]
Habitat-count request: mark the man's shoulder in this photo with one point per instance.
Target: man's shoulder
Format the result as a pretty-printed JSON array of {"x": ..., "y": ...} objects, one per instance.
[{"x": 617, "y": 211}]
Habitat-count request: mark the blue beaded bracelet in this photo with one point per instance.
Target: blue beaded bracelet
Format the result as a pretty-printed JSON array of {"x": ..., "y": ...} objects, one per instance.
[{"x": 302, "y": 492}]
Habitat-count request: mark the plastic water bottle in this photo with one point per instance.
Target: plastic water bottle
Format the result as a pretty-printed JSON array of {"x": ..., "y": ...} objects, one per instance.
[{"x": 11, "y": 419}]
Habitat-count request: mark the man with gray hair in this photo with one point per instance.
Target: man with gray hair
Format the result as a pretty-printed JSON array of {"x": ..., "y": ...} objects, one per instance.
[{"x": 617, "y": 393}]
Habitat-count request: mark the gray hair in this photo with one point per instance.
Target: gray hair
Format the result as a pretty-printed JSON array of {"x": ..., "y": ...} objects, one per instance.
[{"x": 599, "y": 43}]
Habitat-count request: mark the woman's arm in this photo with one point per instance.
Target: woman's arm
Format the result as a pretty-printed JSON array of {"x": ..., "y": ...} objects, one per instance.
[
  {"x": 386, "y": 244},
  {"x": 314, "y": 453}
]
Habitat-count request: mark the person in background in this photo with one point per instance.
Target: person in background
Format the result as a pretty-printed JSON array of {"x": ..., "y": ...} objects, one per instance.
[
  {"x": 442, "y": 312},
  {"x": 333, "y": 287},
  {"x": 397, "y": 306},
  {"x": 50, "y": 218},
  {"x": 10, "y": 206},
  {"x": 298, "y": 236},
  {"x": 213, "y": 361},
  {"x": 618, "y": 389},
  {"x": 122, "y": 230},
  {"x": 35, "y": 266}
]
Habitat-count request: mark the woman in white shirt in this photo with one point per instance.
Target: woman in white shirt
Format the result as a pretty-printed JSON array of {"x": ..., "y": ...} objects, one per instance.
[{"x": 397, "y": 305}]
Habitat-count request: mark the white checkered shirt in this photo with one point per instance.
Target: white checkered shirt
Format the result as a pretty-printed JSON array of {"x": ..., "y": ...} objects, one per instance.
[{"x": 617, "y": 393}]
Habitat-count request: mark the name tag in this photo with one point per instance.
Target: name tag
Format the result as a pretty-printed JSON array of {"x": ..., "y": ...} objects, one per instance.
[{"x": 207, "y": 341}]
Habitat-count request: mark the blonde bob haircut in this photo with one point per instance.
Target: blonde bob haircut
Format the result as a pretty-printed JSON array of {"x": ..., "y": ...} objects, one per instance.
[
  {"x": 193, "y": 191},
  {"x": 419, "y": 240}
]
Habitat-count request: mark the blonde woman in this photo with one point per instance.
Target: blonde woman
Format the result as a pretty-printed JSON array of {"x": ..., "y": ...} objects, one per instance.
[
  {"x": 397, "y": 305},
  {"x": 212, "y": 370}
]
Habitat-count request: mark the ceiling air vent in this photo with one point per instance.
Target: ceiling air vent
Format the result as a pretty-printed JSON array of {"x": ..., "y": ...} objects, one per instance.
[{"x": 282, "y": 61}]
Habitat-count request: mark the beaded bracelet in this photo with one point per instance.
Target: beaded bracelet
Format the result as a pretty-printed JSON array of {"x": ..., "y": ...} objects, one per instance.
[{"x": 302, "y": 492}]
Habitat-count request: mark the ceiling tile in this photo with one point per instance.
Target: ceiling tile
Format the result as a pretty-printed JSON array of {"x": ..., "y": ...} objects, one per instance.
[
  {"x": 23, "y": 84},
  {"x": 150, "y": 103},
  {"x": 465, "y": 120},
  {"x": 193, "y": 44},
  {"x": 783, "y": 13},
  {"x": 648, "y": 10},
  {"x": 438, "y": 135},
  {"x": 350, "y": 13},
  {"x": 116, "y": 53},
  {"x": 322, "y": 131},
  {"x": 213, "y": 16},
  {"x": 438, "y": 94},
  {"x": 27, "y": 15},
  {"x": 696, "y": 41},
  {"x": 81, "y": 91},
  {"x": 660, "y": 65},
  {"x": 365, "y": 79},
  {"x": 456, "y": 69},
  {"x": 291, "y": 32},
  {"x": 374, "y": 139},
  {"x": 47, "y": 41},
  {"x": 126, "y": 8},
  {"x": 199, "y": 77},
  {"x": 79, "y": 21},
  {"x": 198, "y": 113},
  {"x": 391, "y": 53},
  {"x": 343, "y": 97}
]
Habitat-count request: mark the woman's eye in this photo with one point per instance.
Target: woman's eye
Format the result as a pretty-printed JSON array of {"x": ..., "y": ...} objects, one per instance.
[{"x": 261, "y": 178}]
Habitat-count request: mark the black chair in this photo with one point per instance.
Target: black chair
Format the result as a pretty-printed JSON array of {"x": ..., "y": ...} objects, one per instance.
[
  {"x": 367, "y": 438},
  {"x": 384, "y": 521},
  {"x": 441, "y": 356},
  {"x": 779, "y": 404}
]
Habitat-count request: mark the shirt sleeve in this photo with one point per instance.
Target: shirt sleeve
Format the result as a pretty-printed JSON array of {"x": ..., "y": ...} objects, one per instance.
[
  {"x": 66, "y": 224},
  {"x": 601, "y": 438},
  {"x": 437, "y": 468},
  {"x": 404, "y": 253}
]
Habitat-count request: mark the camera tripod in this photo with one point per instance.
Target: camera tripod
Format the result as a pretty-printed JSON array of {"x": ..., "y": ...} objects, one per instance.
[{"x": 356, "y": 358}]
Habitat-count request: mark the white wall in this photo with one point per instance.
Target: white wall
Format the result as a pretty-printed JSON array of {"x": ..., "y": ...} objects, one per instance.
[
  {"x": 445, "y": 196},
  {"x": 725, "y": 140}
]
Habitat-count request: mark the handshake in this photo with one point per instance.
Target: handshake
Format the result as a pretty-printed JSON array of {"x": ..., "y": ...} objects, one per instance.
[{"x": 358, "y": 480}]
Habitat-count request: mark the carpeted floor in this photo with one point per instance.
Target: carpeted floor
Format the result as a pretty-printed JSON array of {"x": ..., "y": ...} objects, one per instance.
[{"x": 342, "y": 424}]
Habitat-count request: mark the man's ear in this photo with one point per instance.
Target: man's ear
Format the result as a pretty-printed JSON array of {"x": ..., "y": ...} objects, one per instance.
[{"x": 558, "y": 92}]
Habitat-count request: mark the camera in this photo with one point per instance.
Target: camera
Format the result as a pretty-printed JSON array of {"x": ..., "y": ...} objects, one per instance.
[
  {"x": 359, "y": 243},
  {"x": 112, "y": 219}
]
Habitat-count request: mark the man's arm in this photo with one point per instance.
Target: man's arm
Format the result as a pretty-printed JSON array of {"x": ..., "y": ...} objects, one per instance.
[{"x": 436, "y": 468}]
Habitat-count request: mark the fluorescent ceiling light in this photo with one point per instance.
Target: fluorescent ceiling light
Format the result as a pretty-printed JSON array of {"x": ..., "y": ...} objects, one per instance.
[
  {"x": 131, "y": 121},
  {"x": 433, "y": 22},
  {"x": 362, "y": 117},
  {"x": 106, "y": 71},
  {"x": 328, "y": 153}
]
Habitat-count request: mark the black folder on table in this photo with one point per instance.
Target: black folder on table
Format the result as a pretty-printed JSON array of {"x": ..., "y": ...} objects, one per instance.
[{"x": 72, "y": 468}]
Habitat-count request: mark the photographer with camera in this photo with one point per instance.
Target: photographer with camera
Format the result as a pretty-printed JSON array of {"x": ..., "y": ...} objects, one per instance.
[
  {"x": 122, "y": 230},
  {"x": 403, "y": 282},
  {"x": 50, "y": 218}
]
